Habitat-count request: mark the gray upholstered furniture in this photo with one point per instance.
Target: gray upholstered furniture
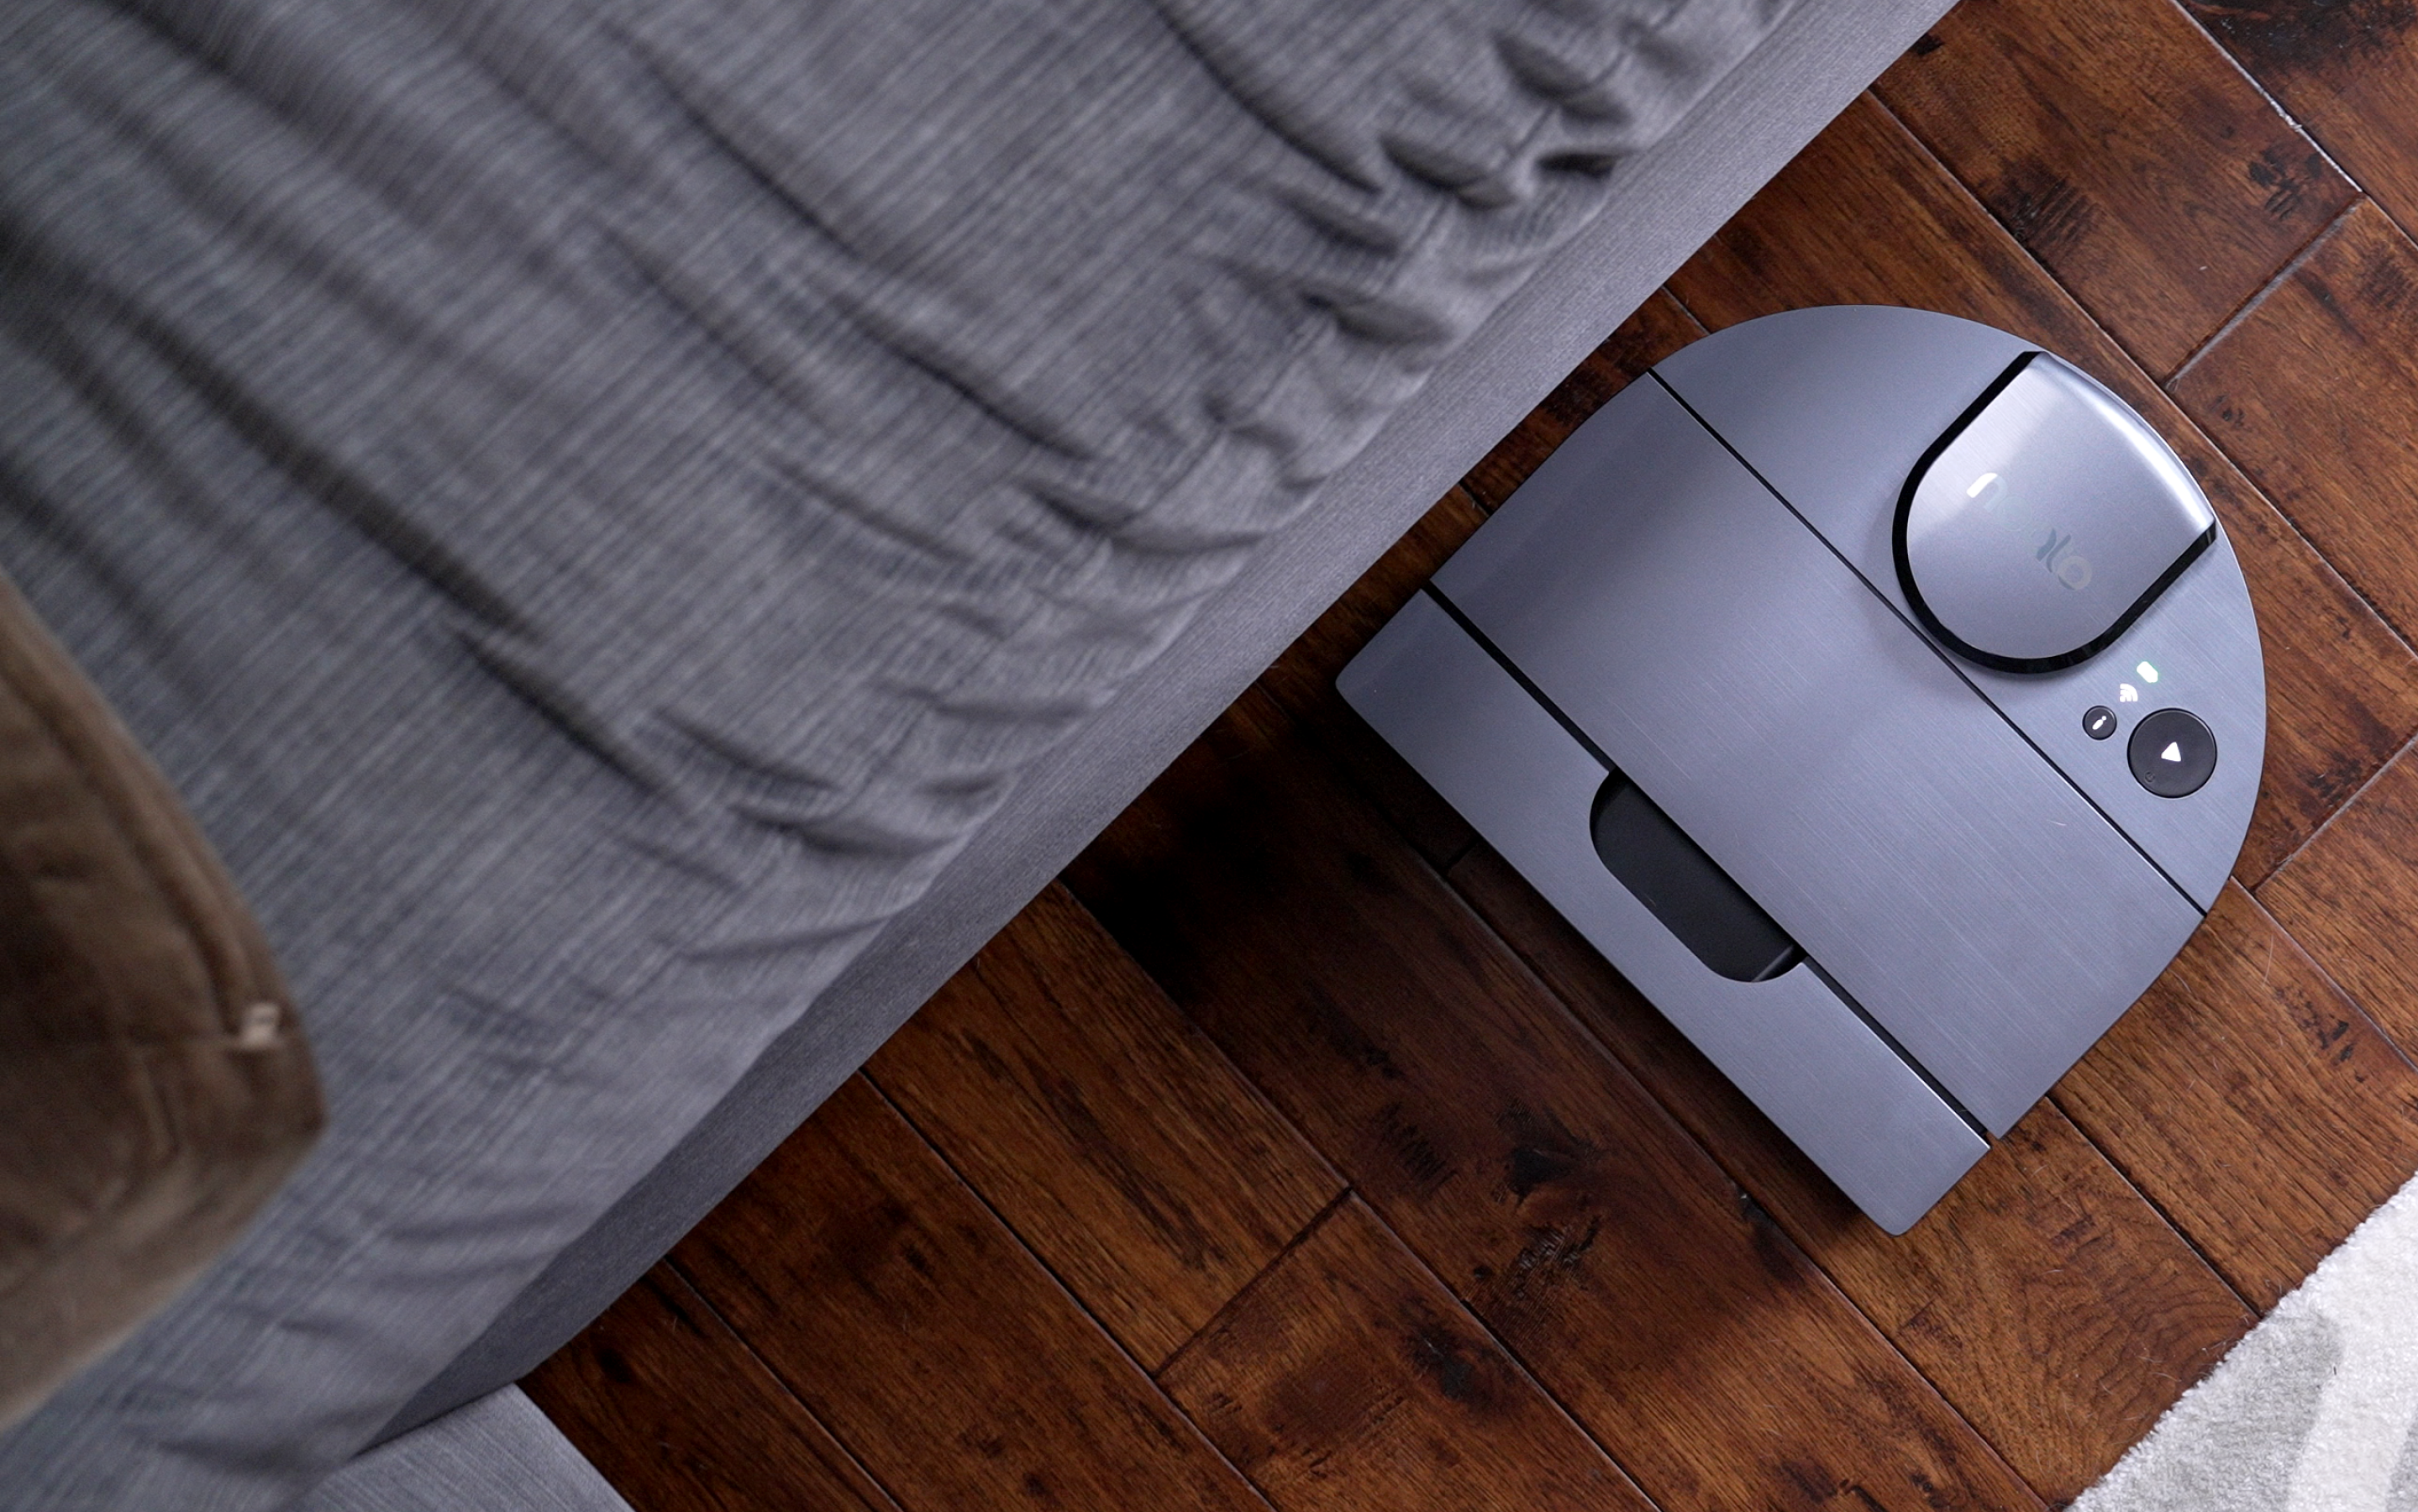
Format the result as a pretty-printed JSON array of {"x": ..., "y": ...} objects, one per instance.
[
  {"x": 603, "y": 509},
  {"x": 155, "y": 1088}
]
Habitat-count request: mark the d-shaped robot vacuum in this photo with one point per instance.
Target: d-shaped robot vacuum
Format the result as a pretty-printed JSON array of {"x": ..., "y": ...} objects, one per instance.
[{"x": 1878, "y": 693}]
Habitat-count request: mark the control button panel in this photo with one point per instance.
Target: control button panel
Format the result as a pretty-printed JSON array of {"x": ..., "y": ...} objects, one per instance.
[{"x": 1834, "y": 407}]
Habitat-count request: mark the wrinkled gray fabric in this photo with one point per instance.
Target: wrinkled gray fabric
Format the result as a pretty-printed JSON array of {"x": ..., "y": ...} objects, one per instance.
[
  {"x": 1665, "y": 202},
  {"x": 593, "y": 503},
  {"x": 498, "y": 1453}
]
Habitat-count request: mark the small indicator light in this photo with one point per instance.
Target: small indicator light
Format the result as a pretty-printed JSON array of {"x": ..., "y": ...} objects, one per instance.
[
  {"x": 2146, "y": 672},
  {"x": 1980, "y": 483},
  {"x": 2127, "y": 693}
]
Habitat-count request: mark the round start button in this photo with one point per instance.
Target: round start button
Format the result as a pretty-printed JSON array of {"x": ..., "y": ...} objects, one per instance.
[{"x": 2172, "y": 752}]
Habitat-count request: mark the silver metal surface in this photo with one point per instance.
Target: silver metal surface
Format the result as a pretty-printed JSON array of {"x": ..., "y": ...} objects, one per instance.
[
  {"x": 1943, "y": 839},
  {"x": 2202, "y": 641},
  {"x": 1834, "y": 406},
  {"x": 2048, "y": 516},
  {"x": 1821, "y": 751},
  {"x": 1829, "y": 1083}
]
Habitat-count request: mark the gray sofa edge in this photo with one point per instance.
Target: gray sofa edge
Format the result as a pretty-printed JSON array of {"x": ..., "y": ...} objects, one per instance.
[
  {"x": 497, "y": 1454},
  {"x": 1752, "y": 124}
]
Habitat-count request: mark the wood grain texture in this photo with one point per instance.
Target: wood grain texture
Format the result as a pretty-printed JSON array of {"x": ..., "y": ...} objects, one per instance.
[
  {"x": 2346, "y": 69},
  {"x": 1865, "y": 216},
  {"x": 1562, "y": 1204},
  {"x": 2351, "y": 899},
  {"x": 1348, "y": 1377},
  {"x": 2048, "y": 1301},
  {"x": 2157, "y": 184},
  {"x": 2254, "y": 1102},
  {"x": 1522, "y": 1163},
  {"x": 1303, "y": 679},
  {"x": 2315, "y": 392},
  {"x": 1103, "y": 1126},
  {"x": 1656, "y": 328},
  {"x": 674, "y": 1413},
  {"x": 912, "y": 1323}
]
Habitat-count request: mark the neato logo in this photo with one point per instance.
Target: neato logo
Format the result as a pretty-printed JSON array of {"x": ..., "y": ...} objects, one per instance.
[
  {"x": 2012, "y": 513},
  {"x": 2056, "y": 553}
]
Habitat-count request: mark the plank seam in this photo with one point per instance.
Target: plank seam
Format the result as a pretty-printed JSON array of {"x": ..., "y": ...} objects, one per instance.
[
  {"x": 2258, "y": 297},
  {"x": 2387, "y": 620},
  {"x": 1068, "y": 1291},
  {"x": 2308, "y": 130},
  {"x": 1351, "y": 781},
  {"x": 2193, "y": 424},
  {"x": 1318, "y": 1220},
  {"x": 2307, "y": 133},
  {"x": 2125, "y": 1174},
  {"x": 2319, "y": 967},
  {"x": 1743, "y": 1195},
  {"x": 2327, "y": 823},
  {"x": 855, "y": 1461}
]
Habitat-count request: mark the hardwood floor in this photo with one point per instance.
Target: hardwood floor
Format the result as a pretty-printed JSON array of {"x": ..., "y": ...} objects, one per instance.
[{"x": 1291, "y": 1152}]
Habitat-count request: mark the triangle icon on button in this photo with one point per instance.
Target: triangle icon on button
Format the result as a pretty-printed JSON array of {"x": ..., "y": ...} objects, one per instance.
[{"x": 2174, "y": 752}]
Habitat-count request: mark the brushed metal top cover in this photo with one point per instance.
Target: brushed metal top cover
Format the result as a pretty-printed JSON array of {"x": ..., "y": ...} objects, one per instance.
[
  {"x": 1836, "y": 407},
  {"x": 1820, "y": 750},
  {"x": 2044, "y": 521},
  {"x": 1526, "y": 784}
]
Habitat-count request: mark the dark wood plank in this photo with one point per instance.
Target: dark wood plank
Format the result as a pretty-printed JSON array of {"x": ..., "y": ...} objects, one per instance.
[
  {"x": 1659, "y": 328},
  {"x": 1103, "y": 1126},
  {"x": 674, "y": 1413},
  {"x": 2114, "y": 139},
  {"x": 1348, "y": 1379},
  {"x": 2346, "y": 69},
  {"x": 2204, "y": 1091},
  {"x": 910, "y": 1322},
  {"x": 1303, "y": 679},
  {"x": 2043, "y": 1297},
  {"x": 2351, "y": 899},
  {"x": 1518, "y": 1160},
  {"x": 1865, "y": 216},
  {"x": 2315, "y": 392},
  {"x": 1696, "y": 1328}
]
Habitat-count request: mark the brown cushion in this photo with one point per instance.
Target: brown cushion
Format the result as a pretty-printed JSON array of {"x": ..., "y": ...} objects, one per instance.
[{"x": 154, "y": 1087}]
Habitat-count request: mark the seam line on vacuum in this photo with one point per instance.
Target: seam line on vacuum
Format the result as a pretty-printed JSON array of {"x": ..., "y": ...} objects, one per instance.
[
  {"x": 1888, "y": 1040},
  {"x": 1932, "y": 646}
]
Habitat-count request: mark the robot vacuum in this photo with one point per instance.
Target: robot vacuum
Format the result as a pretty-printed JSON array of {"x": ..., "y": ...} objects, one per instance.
[{"x": 1878, "y": 693}]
